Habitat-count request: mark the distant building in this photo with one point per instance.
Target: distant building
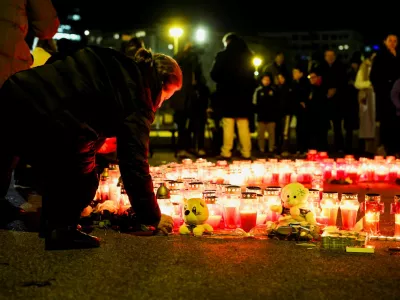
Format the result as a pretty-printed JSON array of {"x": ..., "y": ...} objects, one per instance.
[{"x": 303, "y": 44}]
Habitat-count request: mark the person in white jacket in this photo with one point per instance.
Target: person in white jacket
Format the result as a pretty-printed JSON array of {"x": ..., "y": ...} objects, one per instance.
[{"x": 366, "y": 99}]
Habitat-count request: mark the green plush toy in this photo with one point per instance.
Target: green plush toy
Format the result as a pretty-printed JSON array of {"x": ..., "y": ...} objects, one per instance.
[
  {"x": 195, "y": 214},
  {"x": 294, "y": 209}
]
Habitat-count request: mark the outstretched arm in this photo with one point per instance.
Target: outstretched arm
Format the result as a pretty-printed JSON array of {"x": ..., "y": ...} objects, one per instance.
[{"x": 132, "y": 149}]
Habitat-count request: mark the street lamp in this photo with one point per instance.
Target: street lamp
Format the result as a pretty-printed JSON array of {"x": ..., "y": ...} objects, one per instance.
[
  {"x": 257, "y": 63},
  {"x": 176, "y": 33},
  {"x": 201, "y": 35}
]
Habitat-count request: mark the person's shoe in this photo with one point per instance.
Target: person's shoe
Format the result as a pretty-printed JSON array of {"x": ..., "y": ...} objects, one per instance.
[
  {"x": 85, "y": 229},
  {"x": 220, "y": 157},
  {"x": 70, "y": 238},
  {"x": 381, "y": 151}
]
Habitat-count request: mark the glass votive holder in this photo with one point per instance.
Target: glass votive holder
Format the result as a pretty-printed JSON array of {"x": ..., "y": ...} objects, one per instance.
[
  {"x": 395, "y": 209},
  {"x": 329, "y": 208},
  {"x": 373, "y": 208},
  {"x": 215, "y": 212},
  {"x": 248, "y": 212},
  {"x": 231, "y": 211},
  {"x": 349, "y": 206},
  {"x": 272, "y": 197}
]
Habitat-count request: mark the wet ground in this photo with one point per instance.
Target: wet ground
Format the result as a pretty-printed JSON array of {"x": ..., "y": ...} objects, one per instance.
[{"x": 181, "y": 267}]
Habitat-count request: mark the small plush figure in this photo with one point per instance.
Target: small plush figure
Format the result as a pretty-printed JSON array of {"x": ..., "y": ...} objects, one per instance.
[
  {"x": 195, "y": 214},
  {"x": 294, "y": 205}
]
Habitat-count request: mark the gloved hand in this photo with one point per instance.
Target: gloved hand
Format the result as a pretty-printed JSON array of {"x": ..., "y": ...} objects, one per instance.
[{"x": 166, "y": 224}]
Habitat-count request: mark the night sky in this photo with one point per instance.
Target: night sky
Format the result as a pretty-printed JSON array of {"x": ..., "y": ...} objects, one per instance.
[{"x": 242, "y": 16}]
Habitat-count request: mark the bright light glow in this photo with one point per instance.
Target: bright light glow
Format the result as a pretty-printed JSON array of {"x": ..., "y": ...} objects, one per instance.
[
  {"x": 63, "y": 28},
  {"x": 170, "y": 46},
  {"x": 201, "y": 35},
  {"x": 98, "y": 40},
  {"x": 341, "y": 47},
  {"x": 141, "y": 34},
  {"x": 68, "y": 36},
  {"x": 176, "y": 32},
  {"x": 368, "y": 49},
  {"x": 76, "y": 17},
  {"x": 346, "y": 47},
  {"x": 257, "y": 61},
  {"x": 87, "y": 32},
  {"x": 256, "y": 73},
  {"x": 116, "y": 36}
]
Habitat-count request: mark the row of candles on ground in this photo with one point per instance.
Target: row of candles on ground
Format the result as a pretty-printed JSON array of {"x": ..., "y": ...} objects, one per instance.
[
  {"x": 274, "y": 172},
  {"x": 231, "y": 208}
]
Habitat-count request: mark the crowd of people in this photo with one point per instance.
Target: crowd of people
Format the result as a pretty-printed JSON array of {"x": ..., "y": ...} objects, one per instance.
[{"x": 360, "y": 97}]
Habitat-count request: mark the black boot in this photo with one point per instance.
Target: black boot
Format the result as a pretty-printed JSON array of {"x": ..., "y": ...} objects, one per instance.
[{"x": 70, "y": 238}]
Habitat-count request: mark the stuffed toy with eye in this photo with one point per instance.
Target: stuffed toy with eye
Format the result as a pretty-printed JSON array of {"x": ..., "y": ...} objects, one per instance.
[
  {"x": 195, "y": 214},
  {"x": 294, "y": 205}
]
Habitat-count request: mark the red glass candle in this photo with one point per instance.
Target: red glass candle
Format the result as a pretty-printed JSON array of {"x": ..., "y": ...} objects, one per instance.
[
  {"x": 373, "y": 208},
  {"x": 215, "y": 212},
  {"x": 329, "y": 207},
  {"x": 349, "y": 207},
  {"x": 272, "y": 197},
  {"x": 395, "y": 209},
  {"x": 248, "y": 211}
]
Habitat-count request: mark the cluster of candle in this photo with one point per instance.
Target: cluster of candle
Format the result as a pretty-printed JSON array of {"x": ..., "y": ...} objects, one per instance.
[
  {"x": 111, "y": 194},
  {"x": 378, "y": 169}
]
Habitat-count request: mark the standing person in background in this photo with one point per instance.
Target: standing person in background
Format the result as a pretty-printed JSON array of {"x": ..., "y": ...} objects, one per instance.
[
  {"x": 351, "y": 115},
  {"x": 367, "y": 110},
  {"x": 15, "y": 56},
  {"x": 385, "y": 71},
  {"x": 234, "y": 74},
  {"x": 277, "y": 67},
  {"x": 317, "y": 104},
  {"x": 299, "y": 92},
  {"x": 43, "y": 51},
  {"x": 182, "y": 101},
  {"x": 334, "y": 77},
  {"x": 285, "y": 112},
  {"x": 266, "y": 102}
]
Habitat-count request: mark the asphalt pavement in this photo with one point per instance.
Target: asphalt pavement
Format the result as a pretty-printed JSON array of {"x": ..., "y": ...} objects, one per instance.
[{"x": 182, "y": 267}]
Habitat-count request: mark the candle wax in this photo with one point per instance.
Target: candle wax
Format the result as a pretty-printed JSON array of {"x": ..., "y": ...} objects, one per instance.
[
  {"x": 230, "y": 217},
  {"x": 322, "y": 220},
  {"x": 261, "y": 218},
  {"x": 248, "y": 220},
  {"x": 214, "y": 221},
  {"x": 349, "y": 218},
  {"x": 397, "y": 224}
]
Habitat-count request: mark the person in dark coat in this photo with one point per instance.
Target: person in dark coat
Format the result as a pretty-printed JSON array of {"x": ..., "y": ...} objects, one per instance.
[
  {"x": 233, "y": 73},
  {"x": 285, "y": 113},
  {"x": 266, "y": 102},
  {"x": 299, "y": 93},
  {"x": 131, "y": 47},
  {"x": 63, "y": 111},
  {"x": 277, "y": 67},
  {"x": 316, "y": 105},
  {"x": 385, "y": 71},
  {"x": 183, "y": 100},
  {"x": 351, "y": 112},
  {"x": 334, "y": 77}
]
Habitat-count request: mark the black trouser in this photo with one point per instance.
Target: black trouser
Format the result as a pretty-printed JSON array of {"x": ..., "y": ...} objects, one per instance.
[
  {"x": 181, "y": 119},
  {"x": 64, "y": 164},
  {"x": 302, "y": 134},
  {"x": 197, "y": 127},
  {"x": 389, "y": 130},
  {"x": 319, "y": 137},
  {"x": 338, "y": 140}
]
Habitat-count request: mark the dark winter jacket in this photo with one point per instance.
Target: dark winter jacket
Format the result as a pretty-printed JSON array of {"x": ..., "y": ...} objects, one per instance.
[
  {"x": 234, "y": 75},
  {"x": 385, "y": 71},
  {"x": 274, "y": 69},
  {"x": 317, "y": 106},
  {"x": 299, "y": 92},
  {"x": 285, "y": 104},
  {"x": 14, "y": 18},
  {"x": 98, "y": 93},
  {"x": 266, "y": 102},
  {"x": 192, "y": 78}
]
